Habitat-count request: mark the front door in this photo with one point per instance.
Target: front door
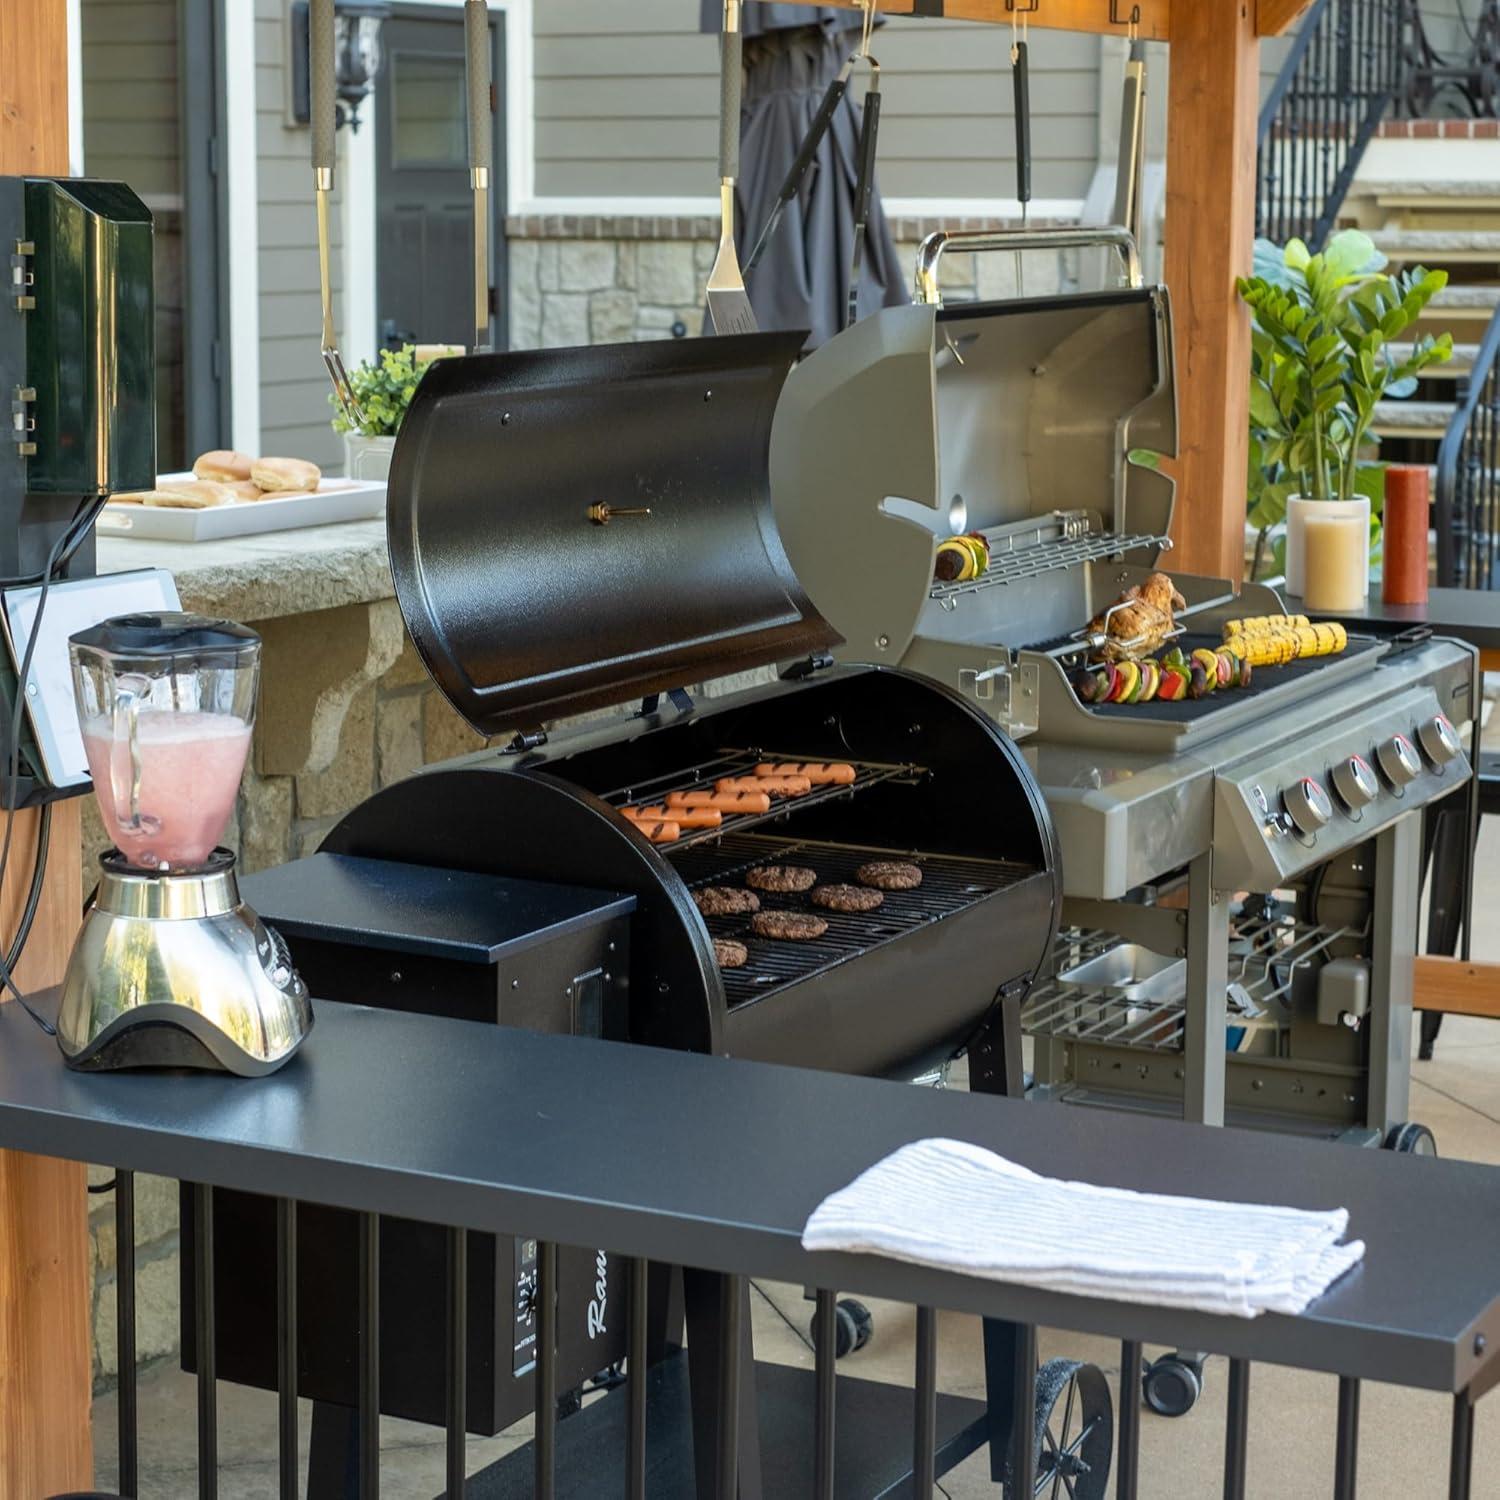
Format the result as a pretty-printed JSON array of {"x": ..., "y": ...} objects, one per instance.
[{"x": 424, "y": 255}]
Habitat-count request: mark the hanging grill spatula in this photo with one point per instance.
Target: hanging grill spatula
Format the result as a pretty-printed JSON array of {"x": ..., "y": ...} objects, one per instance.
[
  {"x": 1129, "y": 174},
  {"x": 324, "y": 128},
  {"x": 478, "y": 76},
  {"x": 728, "y": 304}
]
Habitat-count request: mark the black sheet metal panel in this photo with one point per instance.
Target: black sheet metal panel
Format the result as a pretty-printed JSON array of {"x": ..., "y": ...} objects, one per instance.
[
  {"x": 583, "y": 1143},
  {"x": 525, "y": 609},
  {"x": 440, "y": 912}
]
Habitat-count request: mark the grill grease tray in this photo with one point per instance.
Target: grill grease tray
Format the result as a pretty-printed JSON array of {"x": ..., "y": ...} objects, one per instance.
[
  {"x": 949, "y": 885},
  {"x": 702, "y": 776}
]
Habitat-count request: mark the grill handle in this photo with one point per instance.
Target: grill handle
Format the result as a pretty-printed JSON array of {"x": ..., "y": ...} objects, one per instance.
[{"x": 936, "y": 244}]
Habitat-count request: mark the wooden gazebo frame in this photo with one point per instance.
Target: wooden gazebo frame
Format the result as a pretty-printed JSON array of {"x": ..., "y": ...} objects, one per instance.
[{"x": 45, "y": 1361}]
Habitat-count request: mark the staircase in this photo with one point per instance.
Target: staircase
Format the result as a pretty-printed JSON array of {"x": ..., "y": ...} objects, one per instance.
[{"x": 1455, "y": 226}]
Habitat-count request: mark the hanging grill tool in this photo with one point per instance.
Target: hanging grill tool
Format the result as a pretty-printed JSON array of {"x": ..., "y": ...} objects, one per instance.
[
  {"x": 477, "y": 75},
  {"x": 1020, "y": 72},
  {"x": 865, "y": 183},
  {"x": 728, "y": 306},
  {"x": 1128, "y": 178},
  {"x": 324, "y": 128}
]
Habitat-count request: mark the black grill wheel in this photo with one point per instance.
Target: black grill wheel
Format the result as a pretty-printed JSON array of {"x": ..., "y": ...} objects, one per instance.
[
  {"x": 1172, "y": 1384},
  {"x": 1411, "y": 1139},
  {"x": 1075, "y": 1431}
]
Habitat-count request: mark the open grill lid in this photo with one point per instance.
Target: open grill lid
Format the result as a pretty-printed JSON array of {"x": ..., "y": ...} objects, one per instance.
[{"x": 529, "y": 602}]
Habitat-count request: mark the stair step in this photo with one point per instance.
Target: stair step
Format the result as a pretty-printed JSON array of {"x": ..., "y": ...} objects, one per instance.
[
  {"x": 1412, "y": 418},
  {"x": 1480, "y": 191},
  {"x": 1438, "y": 246},
  {"x": 1466, "y": 301},
  {"x": 1455, "y": 368}
]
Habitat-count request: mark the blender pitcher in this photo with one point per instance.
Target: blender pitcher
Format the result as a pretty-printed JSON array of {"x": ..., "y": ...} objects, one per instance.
[{"x": 166, "y": 703}]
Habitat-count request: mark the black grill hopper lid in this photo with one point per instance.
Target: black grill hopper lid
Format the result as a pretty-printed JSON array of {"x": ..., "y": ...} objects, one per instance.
[{"x": 526, "y": 604}]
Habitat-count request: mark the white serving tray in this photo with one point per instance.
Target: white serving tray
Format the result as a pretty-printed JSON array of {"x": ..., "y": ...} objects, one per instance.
[{"x": 336, "y": 500}]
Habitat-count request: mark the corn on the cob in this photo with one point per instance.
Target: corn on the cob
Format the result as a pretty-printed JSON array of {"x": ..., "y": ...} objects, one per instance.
[
  {"x": 1275, "y": 648},
  {"x": 1262, "y": 624}
]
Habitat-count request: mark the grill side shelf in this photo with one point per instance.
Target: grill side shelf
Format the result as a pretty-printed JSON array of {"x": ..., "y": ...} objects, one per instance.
[{"x": 702, "y": 776}]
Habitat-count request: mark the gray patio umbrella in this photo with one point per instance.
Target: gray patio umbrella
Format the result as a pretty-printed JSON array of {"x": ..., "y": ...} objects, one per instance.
[{"x": 792, "y": 54}]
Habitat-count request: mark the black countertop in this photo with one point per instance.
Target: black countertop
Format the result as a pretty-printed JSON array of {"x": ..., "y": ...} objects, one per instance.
[{"x": 717, "y": 1163}]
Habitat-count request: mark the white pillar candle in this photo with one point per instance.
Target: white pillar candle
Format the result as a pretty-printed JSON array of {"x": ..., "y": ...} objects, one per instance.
[{"x": 1335, "y": 561}]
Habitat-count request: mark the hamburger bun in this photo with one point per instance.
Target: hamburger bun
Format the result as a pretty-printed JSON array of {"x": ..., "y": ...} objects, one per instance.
[
  {"x": 278, "y": 475},
  {"x": 223, "y": 466}
]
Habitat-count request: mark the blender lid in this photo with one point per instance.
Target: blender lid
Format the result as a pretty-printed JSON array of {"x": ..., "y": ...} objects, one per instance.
[{"x": 169, "y": 635}]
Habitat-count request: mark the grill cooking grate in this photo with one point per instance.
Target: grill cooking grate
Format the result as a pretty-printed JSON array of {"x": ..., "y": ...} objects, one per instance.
[
  {"x": 701, "y": 778},
  {"x": 949, "y": 885},
  {"x": 1044, "y": 557}
]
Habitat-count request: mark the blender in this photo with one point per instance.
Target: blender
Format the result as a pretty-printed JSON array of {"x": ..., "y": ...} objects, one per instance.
[{"x": 171, "y": 969}]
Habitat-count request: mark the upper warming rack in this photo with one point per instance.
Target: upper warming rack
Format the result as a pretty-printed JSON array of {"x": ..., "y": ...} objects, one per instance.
[
  {"x": 702, "y": 776},
  {"x": 1010, "y": 564}
]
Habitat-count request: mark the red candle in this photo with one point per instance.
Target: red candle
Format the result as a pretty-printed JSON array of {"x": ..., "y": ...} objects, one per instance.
[{"x": 1404, "y": 546}]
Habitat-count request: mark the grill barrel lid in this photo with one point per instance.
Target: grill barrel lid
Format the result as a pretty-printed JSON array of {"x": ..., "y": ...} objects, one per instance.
[{"x": 573, "y": 529}]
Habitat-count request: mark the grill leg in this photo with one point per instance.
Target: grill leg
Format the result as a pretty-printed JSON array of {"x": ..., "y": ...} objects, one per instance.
[
  {"x": 1346, "y": 1459},
  {"x": 546, "y": 1372},
  {"x": 1023, "y": 1420},
  {"x": 1237, "y": 1429},
  {"x": 125, "y": 1329},
  {"x": 1001, "y": 1395},
  {"x": 1461, "y": 1449},
  {"x": 1128, "y": 1416},
  {"x": 709, "y": 1336},
  {"x": 1393, "y": 933},
  {"x": 995, "y": 1050},
  {"x": 1208, "y": 978}
]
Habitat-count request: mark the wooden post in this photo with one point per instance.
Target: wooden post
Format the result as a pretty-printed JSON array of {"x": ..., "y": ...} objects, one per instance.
[
  {"x": 1209, "y": 235},
  {"x": 45, "y": 1367}
]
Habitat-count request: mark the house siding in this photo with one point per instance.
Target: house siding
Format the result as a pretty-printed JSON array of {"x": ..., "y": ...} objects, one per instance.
[
  {"x": 293, "y": 386},
  {"x": 130, "y": 128},
  {"x": 627, "y": 98}
]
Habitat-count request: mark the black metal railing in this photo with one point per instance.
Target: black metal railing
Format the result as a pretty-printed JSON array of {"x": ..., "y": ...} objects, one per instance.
[
  {"x": 1467, "y": 513},
  {"x": 1437, "y": 82},
  {"x": 1337, "y": 84}
]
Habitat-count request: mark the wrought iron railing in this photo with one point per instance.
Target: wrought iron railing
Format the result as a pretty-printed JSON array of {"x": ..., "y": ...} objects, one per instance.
[
  {"x": 1436, "y": 81},
  {"x": 1467, "y": 514},
  {"x": 1339, "y": 80}
]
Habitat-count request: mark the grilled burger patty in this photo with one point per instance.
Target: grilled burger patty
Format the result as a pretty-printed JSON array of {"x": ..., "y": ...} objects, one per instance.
[
  {"x": 889, "y": 875},
  {"x": 788, "y": 926},
  {"x": 846, "y": 898},
  {"x": 730, "y": 954},
  {"x": 783, "y": 879},
  {"x": 725, "y": 901}
]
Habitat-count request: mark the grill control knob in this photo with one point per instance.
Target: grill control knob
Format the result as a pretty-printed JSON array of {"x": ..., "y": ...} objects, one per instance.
[
  {"x": 1355, "y": 782},
  {"x": 1398, "y": 761},
  {"x": 1307, "y": 805},
  {"x": 1439, "y": 740}
]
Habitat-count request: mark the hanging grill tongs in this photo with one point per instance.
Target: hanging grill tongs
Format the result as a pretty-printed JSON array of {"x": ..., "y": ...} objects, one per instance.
[
  {"x": 324, "y": 129},
  {"x": 864, "y": 187},
  {"x": 1129, "y": 174},
  {"x": 1020, "y": 72},
  {"x": 480, "y": 83}
]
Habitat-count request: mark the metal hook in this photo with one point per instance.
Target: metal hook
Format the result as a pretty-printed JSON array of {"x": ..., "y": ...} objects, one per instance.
[
  {"x": 867, "y": 30},
  {"x": 1025, "y": 10},
  {"x": 1131, "y": 22}
]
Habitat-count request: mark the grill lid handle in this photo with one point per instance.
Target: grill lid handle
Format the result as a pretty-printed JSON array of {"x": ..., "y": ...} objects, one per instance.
[{"x": 976, "y": 240}]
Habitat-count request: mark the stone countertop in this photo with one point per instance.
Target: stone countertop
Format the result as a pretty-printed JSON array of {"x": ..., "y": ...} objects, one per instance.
[{"x": 270, "y": 576}]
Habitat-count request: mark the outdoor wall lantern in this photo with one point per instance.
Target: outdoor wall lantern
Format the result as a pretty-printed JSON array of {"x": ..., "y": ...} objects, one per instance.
[{"x": 358, "y": 55}]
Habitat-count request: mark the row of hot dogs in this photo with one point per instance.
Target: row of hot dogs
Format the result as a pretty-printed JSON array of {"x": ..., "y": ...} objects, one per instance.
[{"x": 734, "y": 796}]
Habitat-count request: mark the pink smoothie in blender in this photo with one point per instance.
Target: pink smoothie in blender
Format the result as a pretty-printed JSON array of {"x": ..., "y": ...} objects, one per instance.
[{"x": 190, "y": 768}]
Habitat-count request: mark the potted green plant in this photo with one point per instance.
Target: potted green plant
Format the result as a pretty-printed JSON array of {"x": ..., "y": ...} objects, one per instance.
[
  {"x": 1320, "y": 363},
  {"x": 384, "y": 388}
]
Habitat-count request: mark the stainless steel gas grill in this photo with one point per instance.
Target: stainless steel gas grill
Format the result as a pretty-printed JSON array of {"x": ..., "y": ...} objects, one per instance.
[
  {"x": 589, "y": 532},
  {"x": 1177, "y": 820}
]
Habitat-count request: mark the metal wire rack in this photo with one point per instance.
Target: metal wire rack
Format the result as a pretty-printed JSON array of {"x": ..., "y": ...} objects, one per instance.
[
  {"x": 1269, "y": 951},
  {"x": 731, "y": 762},
  {"x": 949, "y": 884},
  {"x": 1045, "y": 557}
]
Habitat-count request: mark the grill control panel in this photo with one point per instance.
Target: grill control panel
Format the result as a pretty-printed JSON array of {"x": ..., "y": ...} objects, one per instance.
[
  {"x": 524, "y": 1356},
  {"x": 1274, "y": 816}
]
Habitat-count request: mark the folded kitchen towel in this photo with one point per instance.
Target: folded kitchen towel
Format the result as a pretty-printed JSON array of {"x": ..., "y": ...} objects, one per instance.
[{"x": 961, "y": 1208}]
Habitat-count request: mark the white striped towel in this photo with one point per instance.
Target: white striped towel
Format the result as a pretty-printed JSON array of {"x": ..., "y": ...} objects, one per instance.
[{"x": 961, "y": 1208}]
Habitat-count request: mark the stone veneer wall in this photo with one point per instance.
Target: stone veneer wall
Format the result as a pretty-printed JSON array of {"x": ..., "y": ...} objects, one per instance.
[{"x": 346, "y": 707}]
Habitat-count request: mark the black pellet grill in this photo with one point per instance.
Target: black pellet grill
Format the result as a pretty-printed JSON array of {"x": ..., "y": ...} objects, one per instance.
[{"x": 572, "y": 532}]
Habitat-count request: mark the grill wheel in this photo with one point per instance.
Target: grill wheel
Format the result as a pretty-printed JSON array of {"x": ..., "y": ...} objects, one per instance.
[{"x": 1075, "y": 1431}]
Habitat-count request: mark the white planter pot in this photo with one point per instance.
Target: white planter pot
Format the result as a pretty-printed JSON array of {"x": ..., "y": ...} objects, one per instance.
[
  {"x": 1355, "y": 512},
  {"x": 368, "y": 457}
]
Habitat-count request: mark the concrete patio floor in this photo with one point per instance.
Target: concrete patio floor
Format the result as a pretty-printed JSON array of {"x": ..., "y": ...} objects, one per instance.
[{"x": 1403, "y": 1437}]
